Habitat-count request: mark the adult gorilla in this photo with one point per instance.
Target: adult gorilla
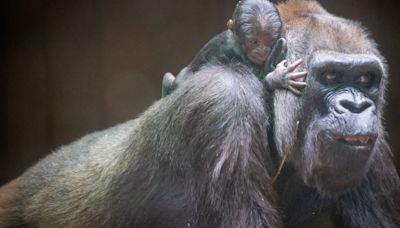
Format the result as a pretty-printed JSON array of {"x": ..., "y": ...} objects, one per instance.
[
  {"x": 340, "y": 170},
  {"x": 199, "y": 157}
]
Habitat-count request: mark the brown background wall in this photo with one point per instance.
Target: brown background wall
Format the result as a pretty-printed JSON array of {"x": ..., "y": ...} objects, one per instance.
[{"x": 68, "y": 68}]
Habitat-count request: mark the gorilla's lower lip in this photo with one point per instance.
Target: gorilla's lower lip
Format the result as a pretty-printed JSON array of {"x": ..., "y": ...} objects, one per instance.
[{"x": 356, "y": 140}]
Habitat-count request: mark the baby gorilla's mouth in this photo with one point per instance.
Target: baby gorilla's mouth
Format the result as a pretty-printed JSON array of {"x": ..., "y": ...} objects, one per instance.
[{"x": 257, "y": 58}]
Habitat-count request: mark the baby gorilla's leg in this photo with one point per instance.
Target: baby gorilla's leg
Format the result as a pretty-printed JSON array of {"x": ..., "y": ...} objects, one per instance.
[{"x": 277, "y": 55}]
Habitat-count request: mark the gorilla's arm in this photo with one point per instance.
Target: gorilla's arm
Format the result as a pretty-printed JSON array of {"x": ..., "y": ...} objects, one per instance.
[{"x": 196, "y": 158}]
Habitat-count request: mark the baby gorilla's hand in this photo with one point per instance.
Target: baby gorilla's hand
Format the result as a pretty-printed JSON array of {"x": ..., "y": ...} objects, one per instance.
[{"x": 283, "y": 77}]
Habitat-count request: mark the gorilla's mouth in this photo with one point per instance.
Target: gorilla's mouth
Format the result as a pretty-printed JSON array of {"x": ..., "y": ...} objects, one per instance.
[
  {"x": 352, "y": 141},
  {"x": 357, "y": 140},
  {"x": 342, "y": 160}
]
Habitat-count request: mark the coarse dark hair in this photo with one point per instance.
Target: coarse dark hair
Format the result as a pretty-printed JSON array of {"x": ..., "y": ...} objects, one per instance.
[{"x": 250, "y": 15}]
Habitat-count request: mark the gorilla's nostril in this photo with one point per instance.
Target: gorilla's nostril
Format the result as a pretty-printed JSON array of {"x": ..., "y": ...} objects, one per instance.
[{"x": 355, "y": 107}]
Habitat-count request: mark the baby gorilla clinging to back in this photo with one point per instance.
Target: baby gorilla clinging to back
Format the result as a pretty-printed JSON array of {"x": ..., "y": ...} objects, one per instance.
[{"x": 255, "y": 29}]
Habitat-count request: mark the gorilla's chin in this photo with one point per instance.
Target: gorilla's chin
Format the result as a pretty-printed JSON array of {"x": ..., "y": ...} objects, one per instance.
[{"x": 342, "y": 161}]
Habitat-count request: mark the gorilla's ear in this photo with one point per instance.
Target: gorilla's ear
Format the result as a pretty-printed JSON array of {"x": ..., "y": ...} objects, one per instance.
[{"x": 277, "y": 55}]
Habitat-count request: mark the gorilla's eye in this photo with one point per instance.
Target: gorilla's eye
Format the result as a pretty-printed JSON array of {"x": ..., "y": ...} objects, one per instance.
[
  {"x": 365, "y": 79},
  {"x": 330, "y": 77}
]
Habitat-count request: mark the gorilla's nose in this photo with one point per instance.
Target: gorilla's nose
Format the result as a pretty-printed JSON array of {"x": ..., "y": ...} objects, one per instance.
[
  {"x": 353, "y": 102},
  {"x": 355, "y": 106}
]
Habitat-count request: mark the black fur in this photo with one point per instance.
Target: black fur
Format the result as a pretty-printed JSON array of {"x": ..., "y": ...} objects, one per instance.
[
  {"x": 199, "y": 157},
  {"x": 215, "y": 173}
]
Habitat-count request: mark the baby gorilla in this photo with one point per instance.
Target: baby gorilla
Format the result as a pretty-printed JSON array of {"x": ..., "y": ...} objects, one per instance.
[{"x": 256, "y": 27}]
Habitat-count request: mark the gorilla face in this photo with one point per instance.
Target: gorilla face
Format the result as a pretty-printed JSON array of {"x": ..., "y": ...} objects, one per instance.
[
  {"x": 343, "y": 93},
  {"x": 339, "y": 120}
]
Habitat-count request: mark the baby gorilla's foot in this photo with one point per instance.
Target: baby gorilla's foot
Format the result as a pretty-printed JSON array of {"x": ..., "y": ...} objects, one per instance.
[{"x": 167, "y": 84}]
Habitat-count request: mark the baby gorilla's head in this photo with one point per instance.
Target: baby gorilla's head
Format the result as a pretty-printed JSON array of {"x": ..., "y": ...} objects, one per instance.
[{"x": 257, "y": 26}]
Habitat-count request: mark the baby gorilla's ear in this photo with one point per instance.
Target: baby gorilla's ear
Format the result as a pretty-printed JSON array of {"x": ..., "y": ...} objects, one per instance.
[{"x": 229, "y": 24}]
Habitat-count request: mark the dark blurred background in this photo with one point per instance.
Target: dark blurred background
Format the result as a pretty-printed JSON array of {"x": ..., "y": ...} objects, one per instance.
[{"x": 68, "y": 68}]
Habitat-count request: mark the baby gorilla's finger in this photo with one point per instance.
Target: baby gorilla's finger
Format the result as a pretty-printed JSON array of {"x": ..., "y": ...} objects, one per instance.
[
  {"x": 294, "y": 65},
  {"x": 297, "y": 75},
  {"x": 294, "y": 90},
  {"x": 297, "y": 84},
  {"x": 282, "y": 64}
]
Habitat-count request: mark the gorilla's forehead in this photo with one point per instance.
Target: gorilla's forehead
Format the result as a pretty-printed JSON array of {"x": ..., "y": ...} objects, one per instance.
[
  {"x": 309, "y": 28},
  {"x": 324, "y": 40},
  {"x": 324, "y": 60}
]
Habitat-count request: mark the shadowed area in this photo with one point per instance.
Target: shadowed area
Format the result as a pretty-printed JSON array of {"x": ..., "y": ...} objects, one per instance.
[{"x": 69, "y": 68}]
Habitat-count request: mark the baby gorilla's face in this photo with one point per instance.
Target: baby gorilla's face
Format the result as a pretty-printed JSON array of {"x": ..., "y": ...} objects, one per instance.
[{"x": 257, "y": 47}]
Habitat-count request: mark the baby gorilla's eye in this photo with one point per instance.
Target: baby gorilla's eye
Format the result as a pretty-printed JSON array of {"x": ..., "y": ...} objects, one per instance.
[{"x": 253, "y": 42}]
